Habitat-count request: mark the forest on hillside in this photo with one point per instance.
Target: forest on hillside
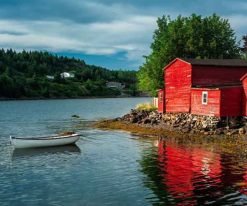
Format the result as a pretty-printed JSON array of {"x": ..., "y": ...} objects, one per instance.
[{"x": 38, "y": 75}]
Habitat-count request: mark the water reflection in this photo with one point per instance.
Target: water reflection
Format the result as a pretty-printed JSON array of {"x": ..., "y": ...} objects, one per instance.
[
  {"x": 30, "y": 152},
  {"x": 186, "y": 175}
]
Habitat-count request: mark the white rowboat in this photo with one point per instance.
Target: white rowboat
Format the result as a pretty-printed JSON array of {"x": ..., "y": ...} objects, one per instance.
[{"x": 46, "y": 141}]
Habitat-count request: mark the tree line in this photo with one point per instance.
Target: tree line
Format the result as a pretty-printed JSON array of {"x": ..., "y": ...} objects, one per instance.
[
  {"x": 24, "y": 75},
  {"x": 209, "y": 37}
]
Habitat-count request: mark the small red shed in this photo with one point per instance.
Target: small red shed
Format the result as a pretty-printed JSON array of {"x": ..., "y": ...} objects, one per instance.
[
  {"x": 244, "y": 95},
  {"x": 161, "y": 105},
  {"x": 188, "y": 82},
  {"x": 219, "y": 101}
]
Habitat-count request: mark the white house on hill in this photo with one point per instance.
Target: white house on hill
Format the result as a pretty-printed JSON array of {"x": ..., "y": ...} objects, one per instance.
[
  {"x": 116, "y": 85},
  {"x": 65, "y": 75}
]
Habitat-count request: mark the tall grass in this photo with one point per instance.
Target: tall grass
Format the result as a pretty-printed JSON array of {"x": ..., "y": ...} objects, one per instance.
[{"x": 146, "y": 107}]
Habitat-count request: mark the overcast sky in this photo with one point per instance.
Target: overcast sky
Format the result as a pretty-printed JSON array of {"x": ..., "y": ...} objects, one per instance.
[{"x": 111, "y": 33}]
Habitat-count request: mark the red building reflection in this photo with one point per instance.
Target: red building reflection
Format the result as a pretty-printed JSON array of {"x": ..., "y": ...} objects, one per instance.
[{"x": 194, "y": 175}]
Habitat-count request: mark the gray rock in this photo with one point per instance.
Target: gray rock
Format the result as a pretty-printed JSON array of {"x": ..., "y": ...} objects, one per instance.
[
  {"x": 133, "y": 120},
  {"x": 146, "y": 121},
  {"x": 241, "y": 131}
]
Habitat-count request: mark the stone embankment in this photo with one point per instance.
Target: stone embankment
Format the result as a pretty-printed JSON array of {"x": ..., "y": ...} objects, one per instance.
[{"x": 187, "y": 123}]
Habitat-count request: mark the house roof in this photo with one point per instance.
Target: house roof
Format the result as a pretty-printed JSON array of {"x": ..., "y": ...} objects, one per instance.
[
  {"x": 209, "y": 87},
  {"x": 243, "y": 77},
  {"x": 217, "y": 62}
]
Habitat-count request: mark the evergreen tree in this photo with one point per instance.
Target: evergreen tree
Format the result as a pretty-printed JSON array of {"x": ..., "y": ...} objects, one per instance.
[{"x": 244, "y": 48}]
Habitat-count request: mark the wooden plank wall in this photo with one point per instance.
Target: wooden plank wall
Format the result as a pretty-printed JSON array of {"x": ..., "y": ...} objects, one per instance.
[
  {"x": 177, "y": 87},
  {"x": 212, "y": 108},
  {"x": 231, "y": 102},
  {"x": 161, "y": 101},
  {"x": 205, "y": 75},
  {"x": 244, "y": 97}
]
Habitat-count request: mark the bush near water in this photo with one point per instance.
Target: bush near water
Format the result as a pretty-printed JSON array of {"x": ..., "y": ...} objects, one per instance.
[{"x": 146, "y": 107}]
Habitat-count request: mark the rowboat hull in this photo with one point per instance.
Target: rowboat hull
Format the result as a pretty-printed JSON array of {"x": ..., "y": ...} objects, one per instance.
[{"x": 44, "y": 141}]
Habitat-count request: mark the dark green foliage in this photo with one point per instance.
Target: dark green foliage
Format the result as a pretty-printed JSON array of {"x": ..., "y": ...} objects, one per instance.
[
  {"x": 186, "y": 37},
  {"x": 244, "y": 48},
  {"x": 24, "y": 75}
]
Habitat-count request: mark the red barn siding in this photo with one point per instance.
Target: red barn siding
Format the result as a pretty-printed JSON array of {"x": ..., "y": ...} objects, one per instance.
[
  {"x": 181, "y": 167},
  {"x": 180, "y": 75},
  {"x": 244, "y": 96},
  {"x": 161, "y": 98},
  {"x": 222, "y": 102},
  {"x": 206, "y": 75},
  {"x": 231, "y": 99},
  {"x": 177, "y": 86},
  {"x": 212, "y": 108},
  {"x": 178, "y": 172}
]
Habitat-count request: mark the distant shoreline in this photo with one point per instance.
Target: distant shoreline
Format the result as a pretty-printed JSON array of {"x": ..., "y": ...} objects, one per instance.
[{"x": 64, "y": 98}]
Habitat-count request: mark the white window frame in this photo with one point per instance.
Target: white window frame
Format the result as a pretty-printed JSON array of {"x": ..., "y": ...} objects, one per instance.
[{"x": 205, "y": 102}]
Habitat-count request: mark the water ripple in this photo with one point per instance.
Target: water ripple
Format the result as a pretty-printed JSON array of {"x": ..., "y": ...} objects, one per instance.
[{"x": 106, "y": 167}]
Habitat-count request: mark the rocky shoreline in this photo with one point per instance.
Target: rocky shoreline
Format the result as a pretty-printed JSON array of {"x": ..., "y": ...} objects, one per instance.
[{"x": 186, "y": 123}]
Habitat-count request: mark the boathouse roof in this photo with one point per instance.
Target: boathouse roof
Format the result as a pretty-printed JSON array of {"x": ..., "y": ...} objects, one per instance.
[{"x": 217, "y": 62}]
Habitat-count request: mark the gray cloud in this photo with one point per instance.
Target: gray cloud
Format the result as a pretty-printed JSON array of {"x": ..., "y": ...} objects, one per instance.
[
  {"x": 88, "y": 11},
  {"x": 101, "y": 27},
  {"x": 12, "y": 33},
  {"x": 85, "y": 11}
]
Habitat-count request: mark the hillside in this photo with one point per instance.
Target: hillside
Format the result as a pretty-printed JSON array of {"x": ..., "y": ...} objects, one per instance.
[{"x": 38, "y": 75}]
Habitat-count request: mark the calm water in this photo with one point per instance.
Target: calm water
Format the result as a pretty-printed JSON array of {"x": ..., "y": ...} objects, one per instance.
[{"x": 106, "y": 167}]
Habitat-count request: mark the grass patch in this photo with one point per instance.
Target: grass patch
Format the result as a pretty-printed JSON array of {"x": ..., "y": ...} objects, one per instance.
[{"x": 146, "y": 107}]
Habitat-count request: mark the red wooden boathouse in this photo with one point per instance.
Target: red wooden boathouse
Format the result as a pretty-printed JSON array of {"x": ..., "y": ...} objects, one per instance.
[{"x": 213, "y": 87}]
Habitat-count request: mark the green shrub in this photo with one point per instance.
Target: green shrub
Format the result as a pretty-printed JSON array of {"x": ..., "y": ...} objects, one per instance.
[{"x": 146, "y": 107}]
